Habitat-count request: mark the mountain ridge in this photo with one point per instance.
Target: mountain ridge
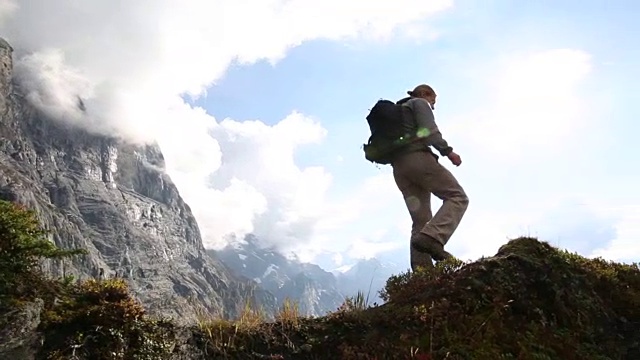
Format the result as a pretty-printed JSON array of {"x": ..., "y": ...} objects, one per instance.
[{"x": 317, "y": 290}]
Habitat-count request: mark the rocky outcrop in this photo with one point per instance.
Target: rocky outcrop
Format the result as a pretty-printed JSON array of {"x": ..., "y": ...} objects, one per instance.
[
  {"x": 6, "y": 67},
  {"x": 114, "y": 200},
  {"x": 19, "y": 338}
]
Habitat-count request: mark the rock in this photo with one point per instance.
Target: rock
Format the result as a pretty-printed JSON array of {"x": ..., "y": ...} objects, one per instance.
[{"x": 19, "y": 339}]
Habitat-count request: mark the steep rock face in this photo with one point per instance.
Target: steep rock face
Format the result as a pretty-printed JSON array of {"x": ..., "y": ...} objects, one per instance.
[
  {"x": 314, "y": 289},
  {"x": 5, "y": 72},
  {"x": 114, "y": 200}
]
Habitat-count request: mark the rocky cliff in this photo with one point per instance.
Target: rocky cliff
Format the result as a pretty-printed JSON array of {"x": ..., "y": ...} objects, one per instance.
[{"x": 114, "y": 200}]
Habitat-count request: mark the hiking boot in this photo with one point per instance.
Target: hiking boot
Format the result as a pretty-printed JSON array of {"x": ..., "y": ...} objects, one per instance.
[
  {"x": 426, "y": 244},
  {"x": 421, "y": 260}
]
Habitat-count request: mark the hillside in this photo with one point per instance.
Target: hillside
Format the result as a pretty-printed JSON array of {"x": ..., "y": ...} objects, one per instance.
[{"x": 529, "y": 301}]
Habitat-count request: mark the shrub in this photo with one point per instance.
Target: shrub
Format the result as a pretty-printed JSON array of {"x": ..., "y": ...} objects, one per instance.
[
  {"x": 406, "y": 285},
  {"x": 23, "y": 243},
  {"x": 101, "y": 320},
  {"x": 90, "y": 319}
]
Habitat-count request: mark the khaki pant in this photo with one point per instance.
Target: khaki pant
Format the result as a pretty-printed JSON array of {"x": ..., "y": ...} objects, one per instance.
[{"x": 418, "y": 175}]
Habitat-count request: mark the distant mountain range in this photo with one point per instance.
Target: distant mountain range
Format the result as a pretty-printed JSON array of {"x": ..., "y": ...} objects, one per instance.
[{"x": 316, "y": 290}]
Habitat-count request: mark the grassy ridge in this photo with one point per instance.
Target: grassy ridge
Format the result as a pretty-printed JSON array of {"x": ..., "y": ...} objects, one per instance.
[{"x": 529, "y": 301}]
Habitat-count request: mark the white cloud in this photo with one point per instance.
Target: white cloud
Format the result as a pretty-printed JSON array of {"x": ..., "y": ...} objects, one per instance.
[
  {"x": 373, "y": 196},
  {"x": 163, "y": 48},
  {"x": 532, "y": 104},
  {"x": 50, "y": 82},
  {"x": 576, "y": 223},
  {"x": 262, "y": 156},
  {"x": 132, "y": 61},
  {"x": 7, "y": 8},
  {"x": 625, "y": 247},
  {"x": 482, "y": 232},
  {"x": 363, "y": 249},
  {"x": 358, "y": 225}
]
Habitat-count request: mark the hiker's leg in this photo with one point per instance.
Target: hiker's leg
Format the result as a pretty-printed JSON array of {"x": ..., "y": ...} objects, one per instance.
[
  {"x": 421, "y": 203},
  {"x": 455, "y": 202},
  {"x": 418, "y": 202}
]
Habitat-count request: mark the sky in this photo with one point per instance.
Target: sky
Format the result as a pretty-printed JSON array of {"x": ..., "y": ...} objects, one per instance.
[{"x": 259, "y": 107}]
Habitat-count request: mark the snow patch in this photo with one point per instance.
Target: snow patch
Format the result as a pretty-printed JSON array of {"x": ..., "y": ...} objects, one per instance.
[
  {"x": 343, "y": 269},
  {"x": 270, "y": 269}
]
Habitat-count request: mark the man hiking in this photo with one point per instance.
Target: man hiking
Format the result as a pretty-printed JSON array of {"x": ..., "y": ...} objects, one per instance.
[{"x": 418, "y": 174}]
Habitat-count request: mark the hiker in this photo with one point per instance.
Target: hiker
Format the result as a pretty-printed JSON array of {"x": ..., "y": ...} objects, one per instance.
[
  {"x": 401, "y": 134},
  {"x": 418, "y": 174}
]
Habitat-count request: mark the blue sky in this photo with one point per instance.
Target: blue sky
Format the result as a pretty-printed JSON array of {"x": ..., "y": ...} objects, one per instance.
[
  {"x": 336, "y": 82},
  {"x": 537, "y": 97}
]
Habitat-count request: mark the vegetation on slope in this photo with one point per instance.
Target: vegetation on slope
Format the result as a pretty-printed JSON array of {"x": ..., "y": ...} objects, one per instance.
[
  {"x": 529, "y": 301},
  {"x": 89, "y": 319}
]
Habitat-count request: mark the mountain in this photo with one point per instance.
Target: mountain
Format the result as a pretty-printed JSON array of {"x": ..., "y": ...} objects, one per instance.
[
  {"x": 368, "y": 276},
  {"x": 113, "y": 199},
  {"x": 315, "y": 290}
]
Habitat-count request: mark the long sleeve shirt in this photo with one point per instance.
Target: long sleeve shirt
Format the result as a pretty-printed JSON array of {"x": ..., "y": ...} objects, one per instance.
[{"x": 425, "y": 124}]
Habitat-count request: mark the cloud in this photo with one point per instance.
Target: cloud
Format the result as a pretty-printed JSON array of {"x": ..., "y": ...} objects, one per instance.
[
  {"x": 132, "y": 63},
  {"x": 7, "y": 8},
  {"x": 625, "y": 246},
  {"x": 262, "y": 157},
  {"x": 374, "y": 196},
  {"x": 359, "y": 224},
  {"x": 481, "y": 233},
  {"x": 575, "y": 226},
  {"x": 48, "y": 82},
  {"x": 574, "y": 223},
  {"x": 533, "y": 104},
  {"x": 163, "y": 48},
  {"x": 363, "y": 249}
]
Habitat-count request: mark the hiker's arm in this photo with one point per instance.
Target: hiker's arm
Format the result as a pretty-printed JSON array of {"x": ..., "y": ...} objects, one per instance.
[{"x": 426, "y": 126}]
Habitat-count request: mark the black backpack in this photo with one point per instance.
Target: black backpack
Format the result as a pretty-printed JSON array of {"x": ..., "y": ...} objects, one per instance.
[{"x": 387, "y": 133}]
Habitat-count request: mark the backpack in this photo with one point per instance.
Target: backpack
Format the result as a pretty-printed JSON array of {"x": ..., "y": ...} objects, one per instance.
[{"x": 387, "y": 133}]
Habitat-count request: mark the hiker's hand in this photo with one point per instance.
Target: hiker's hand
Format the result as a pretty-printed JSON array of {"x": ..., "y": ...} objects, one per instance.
[{"x": 455, "y": 158}]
